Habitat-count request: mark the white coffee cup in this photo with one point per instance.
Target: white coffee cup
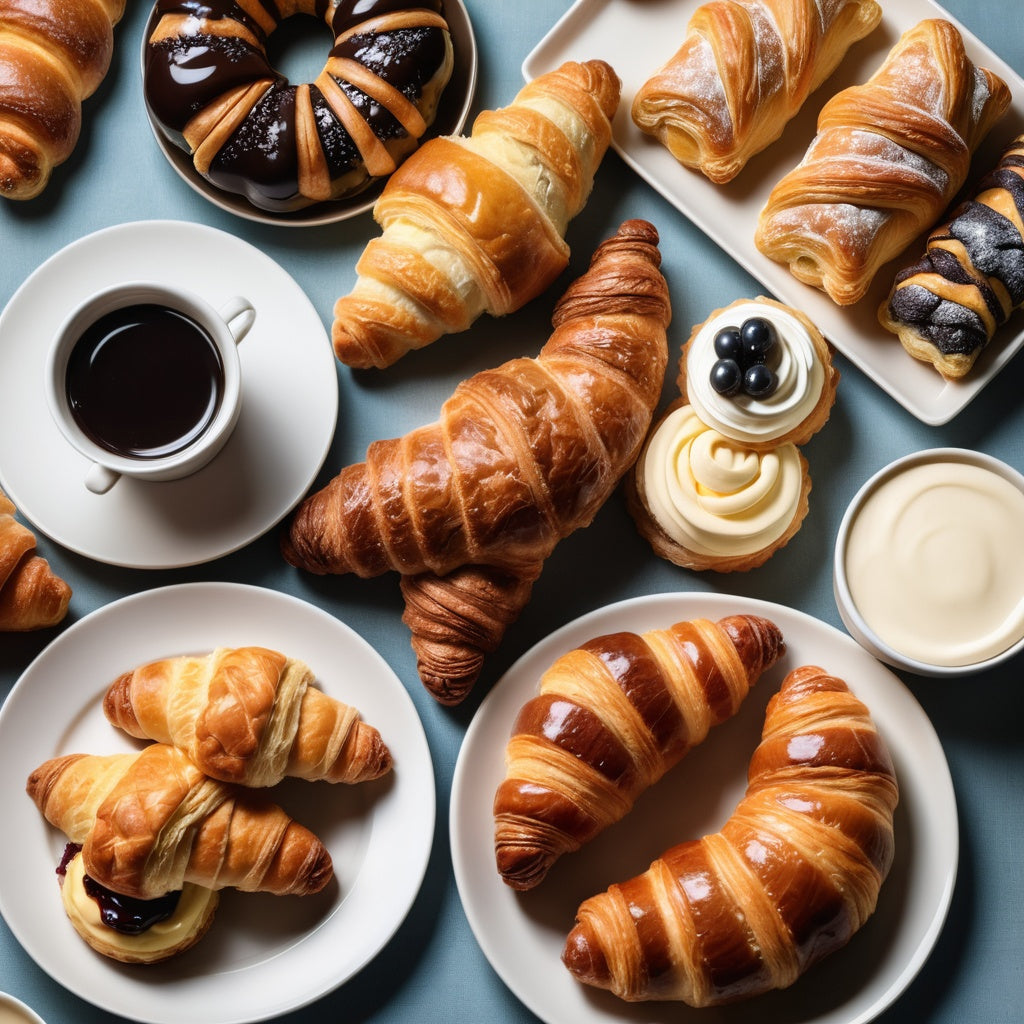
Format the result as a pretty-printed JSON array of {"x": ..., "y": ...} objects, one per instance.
[{"x": 133, "y": 361}]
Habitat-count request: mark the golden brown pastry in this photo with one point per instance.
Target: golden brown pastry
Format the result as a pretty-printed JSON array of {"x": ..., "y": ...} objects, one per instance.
[
  {"x": 468, "y": 508},
  {"x": 247, "y": 715},
  {"x": 32, "y": 596},
  {"x": 53, "y": 55},
  {"x": 720, "y": 483},
  {"x": 888, "y": 158},
  {"x": 792, "y": 875},
  {"x": 609, "y": 719},
  {"x": 477, "y": 224},
  {"x": 946, "y": 307},
  {"x": 151, "y": 821},
  {"x": 743, "y": 71}
]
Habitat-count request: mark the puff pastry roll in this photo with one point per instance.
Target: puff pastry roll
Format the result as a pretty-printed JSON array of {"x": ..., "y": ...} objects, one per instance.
[
  {"x": 887, "y": 160},
  {"x": 743, "y": 71},
  {"x": 946, "y": 307}
]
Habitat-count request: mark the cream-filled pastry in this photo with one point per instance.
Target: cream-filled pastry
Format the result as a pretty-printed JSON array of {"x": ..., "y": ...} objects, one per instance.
[{"x": 706, "y": 501}]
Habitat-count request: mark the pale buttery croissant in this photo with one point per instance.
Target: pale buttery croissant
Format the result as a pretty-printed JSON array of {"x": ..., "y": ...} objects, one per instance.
[
  {"x": 247, "y": 715},
  {"x": 477, "y": 224},
  {"x": 609, "y": 719},
  {"x": 151, "y": 821},
  {"x": 887, "y": 160},
  {"x": 743, "y": 71},
  {"x": 947, "y": 306},
  {"x": 468, "y": 508},
  {"x": 792, "y": 875},
  {"x": 32, "y": 596},
  {"x": 53, "y": 55}
]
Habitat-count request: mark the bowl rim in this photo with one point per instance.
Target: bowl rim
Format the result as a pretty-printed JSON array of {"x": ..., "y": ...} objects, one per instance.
[
  {"x": 7, "y": 999},
  {"x": 855, "y": 623}
]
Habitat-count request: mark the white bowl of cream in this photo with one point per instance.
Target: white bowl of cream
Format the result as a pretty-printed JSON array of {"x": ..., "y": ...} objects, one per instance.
[
  {"x": 14, "y": 1011},
  {"x": 929, "y": 563}
]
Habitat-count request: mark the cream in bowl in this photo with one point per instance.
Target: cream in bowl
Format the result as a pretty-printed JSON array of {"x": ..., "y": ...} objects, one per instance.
[
  {"x": 929, "y": 563},
  {"x": 14, "y": 1011}
]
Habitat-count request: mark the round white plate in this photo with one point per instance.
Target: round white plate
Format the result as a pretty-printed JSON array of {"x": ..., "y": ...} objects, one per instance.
[
  {"x": 264, "y": 955},
  {"x": 523, "y": 935},
  {"x": 270, "y": 461},
  {"x": 452, "y": 114}
]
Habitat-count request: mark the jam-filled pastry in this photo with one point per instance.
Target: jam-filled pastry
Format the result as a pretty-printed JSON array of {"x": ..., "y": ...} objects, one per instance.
[
  {"x": 791, "y": 877},
  {"x": 247, "y": 715},
  {"x": 721, "y": 483},
  {"x": 130, "y": 930},
  {"x": 609, "y": 719},
  {"x": 888, "y": 158},
  {"x": 743, "y": 71},
  {"x": 149, "y": 822},
  {"x": 947, "y": 306},
  {"x": 212, "y": 91}
]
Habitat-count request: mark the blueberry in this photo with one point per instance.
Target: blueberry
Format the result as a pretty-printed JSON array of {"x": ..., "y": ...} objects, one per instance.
[
  {"x": 759, "y": 381},
  {"x": 726, "y": 376},
  {"x": 729, "y": 344},
  {"x": 758, "y": 336}
]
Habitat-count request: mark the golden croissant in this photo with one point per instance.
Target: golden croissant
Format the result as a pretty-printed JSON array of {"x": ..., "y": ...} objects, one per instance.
[
  {"x": 477, "y": 224},
  {"x": 247, "y": 715},
  {"x": 888, "y": 158},
  {"x": 609, "y": 719},
  {"x": 792, "y": 875},
  {"x": 53, "y": 55},
  {"x": 743, "y": 71},
  {"x": 468, "y": 508},
  {"x": 32, "y": 596},
  {"x": 151, "y": 821}
]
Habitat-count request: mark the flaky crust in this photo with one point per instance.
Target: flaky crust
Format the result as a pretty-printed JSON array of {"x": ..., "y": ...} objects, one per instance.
[
  {"x": 792, "y": 875},
  {"x": 247, "y": 715},
  {"x": 888, "y": 158},
  {"x": 53, "y": 55},
  {"x": 608, "y": 720},
  {"x": 521, "y": 456},
  {"x": 477, "y": 224},
  {"x": 743, "y": 71}
]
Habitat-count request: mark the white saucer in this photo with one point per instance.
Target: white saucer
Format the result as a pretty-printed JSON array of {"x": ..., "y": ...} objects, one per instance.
[{"x": 270, "y": 460}]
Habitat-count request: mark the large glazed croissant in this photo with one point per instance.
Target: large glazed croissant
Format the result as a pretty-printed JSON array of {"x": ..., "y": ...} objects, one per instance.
[
  {"x": 32, "y": 596},
  {"x": 743, "y": 71},
  {"x": 792, "y": 875},
  {"x": 53, "y": 55},
  {"x": 247, "y": 715},
  {"x": 609, "y": 719},
  {"x": 477, "y": 224},
  {"x": 151, "y": 821},
  {"x": 946, "y": 307},
  {"x": 888, "y": 158},
  {"x": 468, "y": 508}
]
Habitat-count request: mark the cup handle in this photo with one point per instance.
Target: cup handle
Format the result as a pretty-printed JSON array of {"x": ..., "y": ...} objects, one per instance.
[
  {"x": 100, "y": 479},
  {"x": 239, "y": 315}
]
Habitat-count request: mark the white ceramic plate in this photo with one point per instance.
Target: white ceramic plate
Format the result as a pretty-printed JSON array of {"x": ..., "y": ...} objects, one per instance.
[
  {"x": 264, "y": 955},
  {"x": 523, "y": 935},
  {"x": 636, "y": 38},
  {"x": 452, "y": 114},
  {"x": 270, "y": 460}
]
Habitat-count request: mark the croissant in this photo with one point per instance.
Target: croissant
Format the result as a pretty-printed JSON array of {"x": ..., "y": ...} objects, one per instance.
[
  {"x": 946, "y": 307},
  {"x": 468, "y": 508},
  {"x": 792, "y": 875},
  {"x": 743, "y": 71},
  {"x": 53, "y": 55},
  {"x": 152, "y": 821},
  {"x": 477, "y": 224},
  {"x": 609, "y": 719},
  {"x": 32, "y": 596},
  {"x": 247, "y": 715},
  {"x": 887, "y": 160}
]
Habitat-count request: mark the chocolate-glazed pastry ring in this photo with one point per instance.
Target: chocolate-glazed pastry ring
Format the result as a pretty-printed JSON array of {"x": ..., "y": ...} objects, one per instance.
[{"x": 452, "y": 114}]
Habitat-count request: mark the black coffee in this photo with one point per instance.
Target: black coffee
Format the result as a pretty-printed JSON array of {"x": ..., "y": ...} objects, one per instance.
[{"x": 144, "y": 381}]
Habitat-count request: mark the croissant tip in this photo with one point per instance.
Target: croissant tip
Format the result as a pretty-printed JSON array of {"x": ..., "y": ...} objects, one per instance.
[{"x": 583, "y": 957}]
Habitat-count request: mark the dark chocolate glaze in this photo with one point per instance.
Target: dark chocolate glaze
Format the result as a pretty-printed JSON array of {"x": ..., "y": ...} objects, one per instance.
[{"x": 184, "y": 75}]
